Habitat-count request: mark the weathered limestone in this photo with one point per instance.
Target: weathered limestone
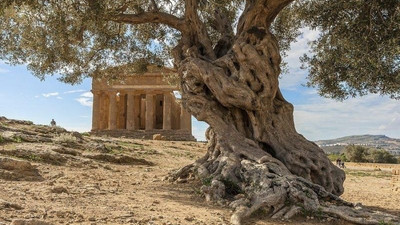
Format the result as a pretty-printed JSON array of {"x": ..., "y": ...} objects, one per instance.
[
  {"x": 121, "y": 110},
  {"x": 167, "y": 111},
  {"x": 96, "y": 111},
  {"x": 144, "y": 103},
  {"x": 136, "y": 112},
  {"x": 130, "y": 112},
  {"x": 149, "y": 111},
  {"x": 112, "y": 120},
  {"x": 186, "y": 122},
  {"x": 104, "y": 102}
]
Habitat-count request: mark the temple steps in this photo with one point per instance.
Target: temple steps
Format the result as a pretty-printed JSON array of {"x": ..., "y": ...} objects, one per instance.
[{"x": 170, "y": 135}]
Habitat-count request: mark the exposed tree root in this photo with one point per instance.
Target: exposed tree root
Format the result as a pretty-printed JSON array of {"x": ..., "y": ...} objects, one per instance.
[{"x": 247, "y": 186}]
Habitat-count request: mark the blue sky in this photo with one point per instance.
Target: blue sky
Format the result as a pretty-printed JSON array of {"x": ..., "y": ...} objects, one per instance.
[{"x": 23, "y": 96}]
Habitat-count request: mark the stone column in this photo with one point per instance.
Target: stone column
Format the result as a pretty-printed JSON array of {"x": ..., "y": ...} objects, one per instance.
[
  {"x": 149, "y": 111},
  {"x": 167, "y": 111},
  {"x": 143, "y": 113},
  {"x": 104, "y": 109},
  {"x": 130, "y": 116},
  {"x": 96, "y": 116},
  {"x": 186, "y": 120},
  {"x": 136, "y": 112},
  {"x": 112, "y": 120}
]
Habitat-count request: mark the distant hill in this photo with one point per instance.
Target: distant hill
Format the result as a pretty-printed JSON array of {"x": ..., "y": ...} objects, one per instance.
[{"x": 372, "y": 141}]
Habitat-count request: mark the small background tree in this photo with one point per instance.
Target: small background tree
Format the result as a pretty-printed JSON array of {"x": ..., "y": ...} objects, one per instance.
[{"x": 356, "y": 153}]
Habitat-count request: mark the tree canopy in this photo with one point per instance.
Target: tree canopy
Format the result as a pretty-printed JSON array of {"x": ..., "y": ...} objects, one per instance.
[
  {"x": 356, "y": 153},
  {"x": 357, "y": 53}
]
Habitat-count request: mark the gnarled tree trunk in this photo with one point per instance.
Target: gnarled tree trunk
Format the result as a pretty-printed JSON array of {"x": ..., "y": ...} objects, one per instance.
[{"x": 255, "y": 157}]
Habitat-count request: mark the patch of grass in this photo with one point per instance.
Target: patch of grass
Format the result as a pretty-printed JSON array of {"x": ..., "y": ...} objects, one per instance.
[
  {"x": 116, "y": 151},
  {"x": 131, "y": 145},
  {"x": 113, "y": 149},
  {"x": 197, "y": 191},
  {"x": 2, "y": 139},
  {"x": 85, "y": 134},
  {"x": 368, "y": 173},
  {"x": 207, "y": 181},
  {"x": 147, "y": 152},
  {"x": 384, "y": 223},
  {"x": 17, "y": 139},
  {"x": 34, "y": 158},
  {"x": 65, "y": 138}
]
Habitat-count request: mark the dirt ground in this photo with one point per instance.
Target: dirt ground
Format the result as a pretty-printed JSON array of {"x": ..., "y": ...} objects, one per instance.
[{"x": 88, "y": 189}]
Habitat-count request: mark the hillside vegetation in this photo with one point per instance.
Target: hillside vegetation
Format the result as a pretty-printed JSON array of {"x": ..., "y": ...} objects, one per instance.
[{"x": 375, "y": 141}]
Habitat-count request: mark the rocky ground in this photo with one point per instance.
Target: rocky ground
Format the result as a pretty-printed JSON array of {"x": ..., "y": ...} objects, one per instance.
[{"x": 51, "y": 176}]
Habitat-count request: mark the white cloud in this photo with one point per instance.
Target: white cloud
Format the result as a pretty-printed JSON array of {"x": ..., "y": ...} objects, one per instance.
[
  {"x": 326, "y": 118},
  {"x": 293, "y": 79},
  {"x": 393, "y": 124},
  {"x": 58, "y": 97},
  {"x": 297, "y": 76},
  {"x": 46, "y": 95},
  {"x": 74, "y": 91},
  {"x": 87, "y": 95},
  {"x": 199, "y": 129},
  {"x": 85, "y": 101}
]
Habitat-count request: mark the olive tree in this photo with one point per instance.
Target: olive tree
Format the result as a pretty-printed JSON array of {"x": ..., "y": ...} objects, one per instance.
[{"x": 227, "y": 54}]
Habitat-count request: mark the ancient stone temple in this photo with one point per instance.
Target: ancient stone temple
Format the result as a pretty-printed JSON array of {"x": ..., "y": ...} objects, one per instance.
[{"x": 139, "y": 106}]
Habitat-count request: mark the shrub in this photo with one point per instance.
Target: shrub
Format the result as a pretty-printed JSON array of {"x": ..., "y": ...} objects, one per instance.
[
  {"x": 86, "y": 134},
  {"x": 335, "y": 156},
  {"x": 65, "y": 138},
  {"x": 17, "y": 139},
  {"x": 356, "y": 153},
  {"x": 381, "y": 156}
]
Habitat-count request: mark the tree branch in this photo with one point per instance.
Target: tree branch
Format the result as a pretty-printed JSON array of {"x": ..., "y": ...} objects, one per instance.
[
  {"x": 224, "y": 27},
  {"x": 222, "y": 23},
  {"x": 260, "y": 13},
  {"x": 152, "y": 17},
  {"x": 155, "y": 7},
  {"x": 198, "y": 32}
]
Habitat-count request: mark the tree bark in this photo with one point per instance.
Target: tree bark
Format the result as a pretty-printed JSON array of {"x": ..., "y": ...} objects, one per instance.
[{"x": 255, "y": 157}]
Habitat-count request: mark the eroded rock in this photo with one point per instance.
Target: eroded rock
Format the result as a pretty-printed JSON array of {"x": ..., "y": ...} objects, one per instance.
[
  {"x": 157, "y": 137},
  {"x": 17, "y": 170},
  {"x": 121, "y": 159},
  {"x": 8, "y": 205}
]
